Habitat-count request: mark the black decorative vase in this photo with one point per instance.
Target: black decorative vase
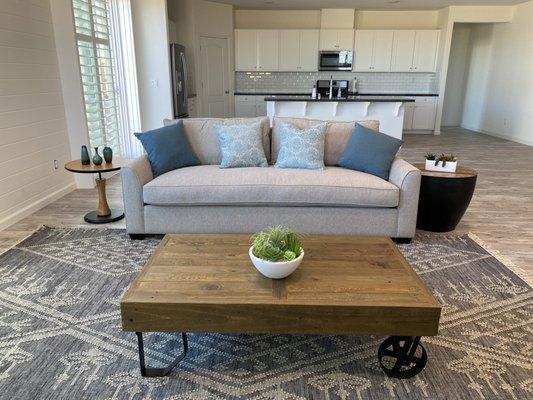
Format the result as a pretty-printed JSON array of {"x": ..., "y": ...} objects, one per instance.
[
  {"x": 97, "y": 160},
  {"x": 85, "y": 158},
  {"x": 108, "y": 154}
]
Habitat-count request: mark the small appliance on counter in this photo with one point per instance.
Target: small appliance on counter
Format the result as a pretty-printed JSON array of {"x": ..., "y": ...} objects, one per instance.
[
  {"x": 335, "y": 60},
  {"x": 338, "y": 87}
]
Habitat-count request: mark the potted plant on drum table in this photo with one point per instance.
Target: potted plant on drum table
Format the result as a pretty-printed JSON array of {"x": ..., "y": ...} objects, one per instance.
[
  {"x": 276, "y": 252},
  {"x": 442, "y": 163}
]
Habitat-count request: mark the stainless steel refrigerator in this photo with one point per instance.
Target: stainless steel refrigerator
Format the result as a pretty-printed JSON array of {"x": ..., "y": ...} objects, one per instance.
[{"x": 179, "y": 80}]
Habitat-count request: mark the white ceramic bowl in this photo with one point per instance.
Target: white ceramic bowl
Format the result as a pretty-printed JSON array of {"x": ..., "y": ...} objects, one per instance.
[{"x": 275, "y": 270}]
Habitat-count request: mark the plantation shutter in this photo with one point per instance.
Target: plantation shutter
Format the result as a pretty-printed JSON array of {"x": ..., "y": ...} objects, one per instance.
[{"x": 97, "y": 72}]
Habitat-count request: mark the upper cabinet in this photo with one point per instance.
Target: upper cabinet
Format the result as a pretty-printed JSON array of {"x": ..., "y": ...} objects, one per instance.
[
  {"x": 373, "y": 49},
  {"x": 396, "y": 51},
  {"x": 256, "y": 50},
  {"x": 425, "y": 55},
  {"x": 298, "y": 50},
  {"x": 415, "y": 51},
  {"x": 245, "y": 50},
  {"x": 276, "y": 50},
  {"x": 267, "y": 50},
  {"x": 336, "y": 39}
]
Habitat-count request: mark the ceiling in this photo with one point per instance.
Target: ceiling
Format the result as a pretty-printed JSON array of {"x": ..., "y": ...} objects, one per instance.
[{"x": 361, "y": 4}]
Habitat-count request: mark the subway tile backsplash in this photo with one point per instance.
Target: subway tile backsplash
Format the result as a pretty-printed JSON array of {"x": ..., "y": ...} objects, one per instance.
[{"x": 302, "y": 82}]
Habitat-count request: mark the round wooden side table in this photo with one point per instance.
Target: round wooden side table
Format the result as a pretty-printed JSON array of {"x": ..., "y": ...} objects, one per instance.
[
  {"x": 103, "y": 214},
  {"x": 444, "y": 198}
]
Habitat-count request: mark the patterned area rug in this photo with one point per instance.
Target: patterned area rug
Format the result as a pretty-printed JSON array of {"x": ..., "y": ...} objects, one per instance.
[{"x": 60, "y": 335}]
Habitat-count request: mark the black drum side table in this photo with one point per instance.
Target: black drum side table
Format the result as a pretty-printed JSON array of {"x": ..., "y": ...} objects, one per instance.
[{"x": 444, "y": 198}]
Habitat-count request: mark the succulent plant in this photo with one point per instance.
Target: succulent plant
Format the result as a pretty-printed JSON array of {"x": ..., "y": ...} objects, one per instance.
[
  {"x": 276, "y": 244},
  {"x": 444, "y": 158}
]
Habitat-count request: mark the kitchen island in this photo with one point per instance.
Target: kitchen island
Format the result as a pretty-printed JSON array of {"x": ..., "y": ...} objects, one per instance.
[{"x": 387, "y": 109}]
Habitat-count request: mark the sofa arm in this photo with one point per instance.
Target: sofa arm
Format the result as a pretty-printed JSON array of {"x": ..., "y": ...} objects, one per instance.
[
  {"x": 407, "y": 178},
  {"x": 134, "y": 177}
]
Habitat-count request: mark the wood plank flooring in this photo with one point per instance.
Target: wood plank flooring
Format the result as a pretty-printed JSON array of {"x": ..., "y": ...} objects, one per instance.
[{"x": 501, "y": 212}]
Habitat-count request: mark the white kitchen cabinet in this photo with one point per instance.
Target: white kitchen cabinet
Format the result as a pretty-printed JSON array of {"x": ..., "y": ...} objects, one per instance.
[
  {"x": 424, "y": 116},
  {"x": 256, "y": 50},
  {"x": 247, "y": 106},
  {"x": 245, "y": 50},
  {"x": 267, "y": 50},
  {"x": 420, "y": 115},
  {"x": 309, "y": 50},
  {"x": 373, "y": 50},
  {"x": 415, "y": 51},
  {"x": 298, "y": 50},
  {"x": 289, "y": 49},
  {"x": 336, "y": 39},
  {"x": 425, "y": 50},
  {"x": 409, "y": 109},
  {"x": 403, "y": 49}
]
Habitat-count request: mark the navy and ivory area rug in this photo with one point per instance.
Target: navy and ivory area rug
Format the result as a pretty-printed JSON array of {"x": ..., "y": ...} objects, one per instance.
[{"x": 60, "y": 334}]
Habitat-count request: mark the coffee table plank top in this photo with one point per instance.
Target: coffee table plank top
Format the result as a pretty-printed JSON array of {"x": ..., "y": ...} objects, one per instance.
[{"x": 208, "y": 283}]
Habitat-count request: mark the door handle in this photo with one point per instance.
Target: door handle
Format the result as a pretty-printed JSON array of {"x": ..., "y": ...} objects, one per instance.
[{"x": 227, "y": 92}]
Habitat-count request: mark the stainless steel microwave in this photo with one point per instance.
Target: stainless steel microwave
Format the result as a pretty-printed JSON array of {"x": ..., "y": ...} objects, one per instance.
[{"x": 335, "y": 60}]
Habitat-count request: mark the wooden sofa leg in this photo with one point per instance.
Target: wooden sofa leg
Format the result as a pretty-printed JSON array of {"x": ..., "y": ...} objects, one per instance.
[
  {"x": 402, "y": 240},
  {"x": 136, "y": 236}
]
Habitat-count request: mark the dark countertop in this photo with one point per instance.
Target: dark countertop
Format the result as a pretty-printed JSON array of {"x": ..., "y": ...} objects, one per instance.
[
  {"x": 358, "y": 94},
  {"x": 359, "y": 98}
]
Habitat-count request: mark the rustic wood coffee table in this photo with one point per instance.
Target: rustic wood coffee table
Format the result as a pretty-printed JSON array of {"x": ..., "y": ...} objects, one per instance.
[{"x": 345, "y": 285}]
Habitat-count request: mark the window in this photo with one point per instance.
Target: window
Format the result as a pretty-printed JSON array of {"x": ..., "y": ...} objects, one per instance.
[{"x": 97, "y": 72}]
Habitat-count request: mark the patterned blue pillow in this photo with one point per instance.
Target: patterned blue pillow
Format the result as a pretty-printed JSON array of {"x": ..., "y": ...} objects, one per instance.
[
  {"x": 301, "y": 148},
  {"x": 241, "y": 145}
]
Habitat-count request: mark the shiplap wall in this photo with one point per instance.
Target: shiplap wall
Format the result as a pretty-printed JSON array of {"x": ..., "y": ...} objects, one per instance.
[{"x": 33, "y": 130}]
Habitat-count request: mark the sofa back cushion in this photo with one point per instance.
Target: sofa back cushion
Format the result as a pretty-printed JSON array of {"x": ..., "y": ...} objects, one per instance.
[
  {"x": 204, "y": 140},
  {"x": 338, "y": 134}
]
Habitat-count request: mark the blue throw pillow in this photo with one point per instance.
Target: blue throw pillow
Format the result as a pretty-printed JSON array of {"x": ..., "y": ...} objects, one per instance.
[
  {"x": 370, "y": 151},
  {"x": 167, "y": 148},
  {"x": 241, "y": 145},
  {"x": 301, "y": 148}
]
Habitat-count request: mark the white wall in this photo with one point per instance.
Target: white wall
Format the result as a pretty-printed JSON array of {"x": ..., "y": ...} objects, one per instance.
[
  {"x": 499, "y": 98},
  {"x": 452, "y": 114},
  {"x": 427, "y": 19},
  {"x": 150, "y": 33},
  {"x": 277, "y": 19},
  {"x": 33, "y": 131}
]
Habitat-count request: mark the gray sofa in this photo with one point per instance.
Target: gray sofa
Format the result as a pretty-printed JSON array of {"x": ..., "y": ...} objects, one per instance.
[{"x": 208, "y": 199}]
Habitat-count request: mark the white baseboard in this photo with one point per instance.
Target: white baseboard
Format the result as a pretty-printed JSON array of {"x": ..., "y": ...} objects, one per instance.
[
  {"x": 36, "y": 205},
  {"x": 498, "y": 135}
]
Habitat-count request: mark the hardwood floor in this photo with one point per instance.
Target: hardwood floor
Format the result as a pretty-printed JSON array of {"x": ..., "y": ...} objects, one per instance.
[{"x": 501, "y": 212}]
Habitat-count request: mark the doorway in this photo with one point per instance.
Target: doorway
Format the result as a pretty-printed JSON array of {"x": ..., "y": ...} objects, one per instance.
[{"x": 215, "y": 67}]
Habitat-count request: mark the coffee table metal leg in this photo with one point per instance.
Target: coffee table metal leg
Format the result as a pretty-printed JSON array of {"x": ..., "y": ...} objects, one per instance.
[
  {"x": 158, "y": 372},
  {"x": 401, "y": 351}
]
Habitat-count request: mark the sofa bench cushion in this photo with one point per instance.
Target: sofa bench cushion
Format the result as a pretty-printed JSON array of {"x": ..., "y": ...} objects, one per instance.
[
  {"x": 210, "y": 185},
  {"x": 338, "y": 133},
  {"x": 204, "y": 140}
]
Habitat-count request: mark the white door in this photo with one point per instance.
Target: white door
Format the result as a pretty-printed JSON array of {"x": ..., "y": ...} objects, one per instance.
[
  {"x": 382, "y": 52},
  {"x": 402, "y": 51},
  {"x": 345, "y": 39},
  {"x": 329, "y": 39},
  {"x": 267, "y": 50},
  {"x": 425, "y": 54},
  {"x": 309, "y": 50},
  {"x": 215, "y": 79},
  {"x": 364, "y": 45},
  {"x": 289, "y": 50},
  {"x": 245, "y": 50}
]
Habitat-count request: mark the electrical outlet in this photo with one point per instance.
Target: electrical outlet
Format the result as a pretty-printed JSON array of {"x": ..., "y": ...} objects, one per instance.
[
  {"x": 56, "y": 164},
  {"x": 154, "y": 83}
]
